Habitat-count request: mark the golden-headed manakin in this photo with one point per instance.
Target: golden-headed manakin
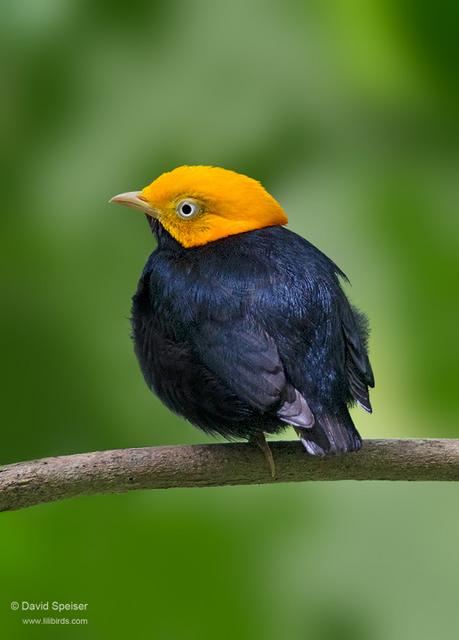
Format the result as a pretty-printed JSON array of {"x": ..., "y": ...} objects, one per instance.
[{"x": 239, "y": 324}]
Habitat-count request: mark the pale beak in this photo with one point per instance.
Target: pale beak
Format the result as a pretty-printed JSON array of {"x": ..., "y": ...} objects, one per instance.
[{"x": 134, "y": 200}]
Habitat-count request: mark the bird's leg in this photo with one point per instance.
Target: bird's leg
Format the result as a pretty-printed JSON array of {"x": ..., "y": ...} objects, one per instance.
[{"x": 260, "y": 440}]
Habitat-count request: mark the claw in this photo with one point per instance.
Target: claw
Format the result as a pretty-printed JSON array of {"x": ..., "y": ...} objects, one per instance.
[{"x": 263, "y": 445}]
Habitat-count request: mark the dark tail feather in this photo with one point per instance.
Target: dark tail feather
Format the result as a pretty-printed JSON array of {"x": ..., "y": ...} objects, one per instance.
[{"x": 331, "y": 434}]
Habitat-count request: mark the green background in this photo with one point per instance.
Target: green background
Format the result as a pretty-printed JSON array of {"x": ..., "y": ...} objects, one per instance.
[{"x": 347, "y": 112}]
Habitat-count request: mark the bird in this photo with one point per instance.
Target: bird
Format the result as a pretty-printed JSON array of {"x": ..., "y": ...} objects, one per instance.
[{"x": 240, "y": 325}]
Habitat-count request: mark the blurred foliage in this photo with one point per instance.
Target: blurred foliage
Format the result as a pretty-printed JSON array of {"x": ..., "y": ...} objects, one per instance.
[{"x": 347, "y": 111}]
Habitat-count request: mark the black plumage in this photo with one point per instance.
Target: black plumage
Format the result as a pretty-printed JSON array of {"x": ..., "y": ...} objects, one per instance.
[{"x": 252, "y": 332}]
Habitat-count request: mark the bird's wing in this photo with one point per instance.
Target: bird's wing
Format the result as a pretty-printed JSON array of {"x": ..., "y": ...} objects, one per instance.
[
  {"x": 248, "y": 362},
  {"x": 358, "y": 369}
]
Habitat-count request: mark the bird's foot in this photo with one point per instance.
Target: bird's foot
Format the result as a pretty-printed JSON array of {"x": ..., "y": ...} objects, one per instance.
[{"x": 263, "y": 445}]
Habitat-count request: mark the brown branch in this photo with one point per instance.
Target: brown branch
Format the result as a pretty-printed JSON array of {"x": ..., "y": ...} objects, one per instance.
[{"x": 29, "y": 483}]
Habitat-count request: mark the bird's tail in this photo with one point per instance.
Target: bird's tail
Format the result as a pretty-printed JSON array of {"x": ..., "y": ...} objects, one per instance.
[{"x": 331, "y": 434}]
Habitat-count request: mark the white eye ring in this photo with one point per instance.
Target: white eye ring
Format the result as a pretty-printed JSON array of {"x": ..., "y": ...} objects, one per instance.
[{"x": 187, "y": 209}]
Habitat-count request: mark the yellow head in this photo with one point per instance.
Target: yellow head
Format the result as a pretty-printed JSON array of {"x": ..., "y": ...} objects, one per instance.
[{"x": 197, "y": 205}]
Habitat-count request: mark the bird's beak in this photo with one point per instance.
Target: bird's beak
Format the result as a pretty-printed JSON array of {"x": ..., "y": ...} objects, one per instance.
[{"x": 134, "y": 200}]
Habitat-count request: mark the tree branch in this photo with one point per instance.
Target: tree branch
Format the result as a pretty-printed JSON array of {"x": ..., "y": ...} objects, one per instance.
[{"x": 29, "y": 483}]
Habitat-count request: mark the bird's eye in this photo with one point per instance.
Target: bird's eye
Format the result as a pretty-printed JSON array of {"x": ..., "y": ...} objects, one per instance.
[{"x": 187, "y": 209}]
